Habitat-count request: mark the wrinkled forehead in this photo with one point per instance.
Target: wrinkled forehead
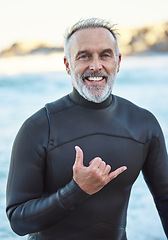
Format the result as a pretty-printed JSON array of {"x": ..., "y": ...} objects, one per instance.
[{"x": 92, "y": 38}]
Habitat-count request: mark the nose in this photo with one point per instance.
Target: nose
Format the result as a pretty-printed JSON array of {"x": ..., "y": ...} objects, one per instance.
[{"x": 95, "y": 64}]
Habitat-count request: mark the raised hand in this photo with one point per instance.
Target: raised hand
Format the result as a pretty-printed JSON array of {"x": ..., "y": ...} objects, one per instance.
[{"x": 94, "y": 177}]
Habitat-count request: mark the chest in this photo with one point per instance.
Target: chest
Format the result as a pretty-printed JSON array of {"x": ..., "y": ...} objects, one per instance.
[
  {"x": 116, "y": 138},
  {"x": 114, "y": 150}
]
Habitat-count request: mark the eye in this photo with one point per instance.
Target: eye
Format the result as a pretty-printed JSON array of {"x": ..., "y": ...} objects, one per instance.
[
  {"x": 83, "y": 56},
  {"x": 105, "y": 55}
]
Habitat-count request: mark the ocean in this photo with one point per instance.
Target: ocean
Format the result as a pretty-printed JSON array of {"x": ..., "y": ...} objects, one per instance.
[{"x": 142, "y": 80}]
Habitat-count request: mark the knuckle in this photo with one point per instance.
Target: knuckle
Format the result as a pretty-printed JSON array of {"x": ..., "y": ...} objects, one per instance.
[
  {"x": 93, "y": 171},
  {"x": 115, "y": 175},
  {"x": 99, "y": 176},
  {"x": 98, "y": 159},
  {"x": 104, "y": 181},
  {"x": 75, "y": 168},
  {"x": 103, "y": 163},
  {"x": 101, "y": 179},
  {"x": 108, "y": 167}
]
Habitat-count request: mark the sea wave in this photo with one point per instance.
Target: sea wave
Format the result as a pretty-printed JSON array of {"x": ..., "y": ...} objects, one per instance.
[{"x": 24, "y": 93}]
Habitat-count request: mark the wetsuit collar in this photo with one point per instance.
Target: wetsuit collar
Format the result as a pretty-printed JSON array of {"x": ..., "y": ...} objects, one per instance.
[{"x": 77, "y": 98}]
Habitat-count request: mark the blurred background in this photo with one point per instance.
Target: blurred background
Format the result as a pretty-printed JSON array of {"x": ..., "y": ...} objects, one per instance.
[{"x": 32, "y": 73}]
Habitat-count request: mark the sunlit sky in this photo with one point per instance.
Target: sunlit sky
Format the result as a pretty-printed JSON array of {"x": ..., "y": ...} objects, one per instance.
[{"x": 47, "y": 20}]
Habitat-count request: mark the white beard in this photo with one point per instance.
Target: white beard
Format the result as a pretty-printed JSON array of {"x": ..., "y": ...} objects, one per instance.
[{"x": 96, "y": 94}]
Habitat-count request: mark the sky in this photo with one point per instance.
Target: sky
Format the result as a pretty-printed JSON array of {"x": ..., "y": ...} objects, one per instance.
[{"x": 47, "y": 20}]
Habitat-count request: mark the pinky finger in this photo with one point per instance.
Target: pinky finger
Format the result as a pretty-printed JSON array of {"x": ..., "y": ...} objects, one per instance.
[{"x": 118, "y": 171}]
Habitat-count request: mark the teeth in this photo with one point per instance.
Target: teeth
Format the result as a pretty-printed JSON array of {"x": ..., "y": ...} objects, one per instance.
[{"x": 96, "y": 79}]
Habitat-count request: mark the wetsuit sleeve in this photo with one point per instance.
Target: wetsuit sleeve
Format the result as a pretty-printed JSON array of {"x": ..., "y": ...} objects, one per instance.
[
  {"x": 28, "y": 209},
  {"x": 155, "y": 172},
  {"x": 162, "y": 207}
]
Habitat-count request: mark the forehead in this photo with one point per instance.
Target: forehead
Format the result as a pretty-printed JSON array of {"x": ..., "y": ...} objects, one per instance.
[{"x": 91, "y": 39}]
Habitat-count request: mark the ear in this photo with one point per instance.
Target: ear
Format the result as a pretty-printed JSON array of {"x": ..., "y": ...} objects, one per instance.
[
  {"x": 66, "y": 62},
  {"x": 119, "y": 61}
]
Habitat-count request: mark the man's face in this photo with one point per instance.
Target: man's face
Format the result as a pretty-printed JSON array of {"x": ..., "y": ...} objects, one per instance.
[{"x": 93, "y": 63}]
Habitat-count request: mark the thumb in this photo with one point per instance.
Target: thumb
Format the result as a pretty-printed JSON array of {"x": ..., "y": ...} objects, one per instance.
[{"x": 79, "y": 156}]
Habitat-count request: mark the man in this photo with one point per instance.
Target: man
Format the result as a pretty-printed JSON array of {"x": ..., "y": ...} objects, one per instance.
[{"x": 54, "y": 192}]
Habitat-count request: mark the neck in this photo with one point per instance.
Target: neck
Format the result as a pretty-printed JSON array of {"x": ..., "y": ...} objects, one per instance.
[{"x": 77, "y": 98}]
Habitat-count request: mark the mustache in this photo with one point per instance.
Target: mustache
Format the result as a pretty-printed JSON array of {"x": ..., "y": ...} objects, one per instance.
[{"x": 94, "y": 74}]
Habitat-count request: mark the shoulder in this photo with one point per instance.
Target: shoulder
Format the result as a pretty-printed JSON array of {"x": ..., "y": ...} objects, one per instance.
[
  {"x": 59, "y": 105},
  {"x": 132, "y": 108},
  {"x": 125, "y": 103},
  {"x": 138, "y": 116},
  {"x": 39, "y": 118},
  {"x": 36, "y": 127}
]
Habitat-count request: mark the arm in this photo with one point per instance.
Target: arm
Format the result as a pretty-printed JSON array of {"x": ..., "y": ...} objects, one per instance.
[
  {"x": 28, "y": 208},
  {"x": 162, "y": 207},
  {"x": 155, "y": 172}
]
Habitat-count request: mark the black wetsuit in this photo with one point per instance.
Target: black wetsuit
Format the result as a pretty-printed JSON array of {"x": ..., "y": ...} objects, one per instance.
[{"x": 43, "y": 199}]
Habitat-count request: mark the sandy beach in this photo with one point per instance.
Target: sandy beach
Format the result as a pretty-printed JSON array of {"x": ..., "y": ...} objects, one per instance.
[{"x": 38, "y": 63}]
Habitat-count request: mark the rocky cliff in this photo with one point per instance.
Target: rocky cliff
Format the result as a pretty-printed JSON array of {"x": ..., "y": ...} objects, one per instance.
[
  {"x": 24, "y": 48},
  {"x": 147, "y": 39},
  {"x": 153, "y": 38}
]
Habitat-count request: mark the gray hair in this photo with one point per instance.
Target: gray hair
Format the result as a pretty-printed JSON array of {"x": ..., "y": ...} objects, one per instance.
[{"x": 90, "y": 23}]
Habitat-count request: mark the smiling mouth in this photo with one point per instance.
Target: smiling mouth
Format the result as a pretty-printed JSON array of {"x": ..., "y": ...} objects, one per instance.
[{"x": 94, "y": 79}]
